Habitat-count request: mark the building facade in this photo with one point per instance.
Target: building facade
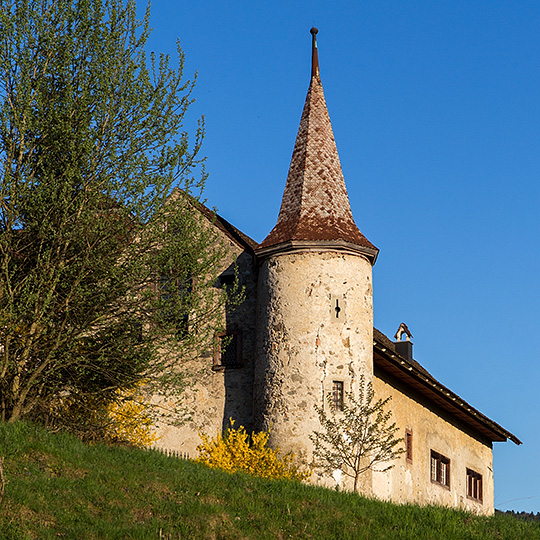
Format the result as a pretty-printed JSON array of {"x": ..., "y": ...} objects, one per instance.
[{"x": 305, "y": 331}]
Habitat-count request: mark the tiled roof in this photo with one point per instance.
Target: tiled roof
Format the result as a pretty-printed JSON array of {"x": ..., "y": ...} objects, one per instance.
[{"x": 315, "y": 205}]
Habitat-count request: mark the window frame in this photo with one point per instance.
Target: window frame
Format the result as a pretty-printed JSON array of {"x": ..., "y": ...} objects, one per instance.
[
  {"x": 218, "y": 364},
  {"x": 162, "y": 287},
  {"x": 474, "y": 483},
  {"x": 408, "y": 446},
  {"x": 338, "y": 395},
  {"x": 440, "y": 474}
]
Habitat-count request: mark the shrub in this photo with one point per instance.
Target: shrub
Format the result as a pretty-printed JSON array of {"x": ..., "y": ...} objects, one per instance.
[
  {"x": 130, "y": 421},
  {"x": 124, "y": 420},
  {"x": 235, "y": 450}
]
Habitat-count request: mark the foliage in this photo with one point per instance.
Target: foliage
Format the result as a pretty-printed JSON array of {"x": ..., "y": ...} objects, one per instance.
[
  {"x": 57, "y": 487},
  {"x": 235, "y": 450},
  {"x": 107, "y": 272},
  {"x": 82, "y": 414},
  {"x": 125, "y": 418},
  {"x": 129, "y": 420},
  {"x": 358, "y": 437}
]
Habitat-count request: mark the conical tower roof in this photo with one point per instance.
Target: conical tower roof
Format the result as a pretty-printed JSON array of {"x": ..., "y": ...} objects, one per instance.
[{"x": 315, "y": 210}]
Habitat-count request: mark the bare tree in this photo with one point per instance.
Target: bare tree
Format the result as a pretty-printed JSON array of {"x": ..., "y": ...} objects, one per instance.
[{"x": 357, "y": 435}]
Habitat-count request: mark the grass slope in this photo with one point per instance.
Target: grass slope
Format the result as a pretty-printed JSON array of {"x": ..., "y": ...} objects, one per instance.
[{"x": 57, "y": 487}]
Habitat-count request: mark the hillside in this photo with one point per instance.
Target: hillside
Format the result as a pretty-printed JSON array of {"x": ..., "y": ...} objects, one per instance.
[{"x": 57, "y": 487}]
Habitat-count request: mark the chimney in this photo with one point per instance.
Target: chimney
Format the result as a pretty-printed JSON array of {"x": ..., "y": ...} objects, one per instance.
[{"x": 403, "y": 343}]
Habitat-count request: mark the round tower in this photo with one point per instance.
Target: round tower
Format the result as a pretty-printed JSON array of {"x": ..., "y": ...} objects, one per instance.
[{"x": 315, "y": 312}]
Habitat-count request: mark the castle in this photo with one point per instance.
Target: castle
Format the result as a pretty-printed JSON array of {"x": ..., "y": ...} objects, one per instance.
[{"x": 305, "y": 331}]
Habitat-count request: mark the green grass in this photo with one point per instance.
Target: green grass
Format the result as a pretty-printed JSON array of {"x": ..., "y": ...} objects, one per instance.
[{"x": 57, "y": 487}]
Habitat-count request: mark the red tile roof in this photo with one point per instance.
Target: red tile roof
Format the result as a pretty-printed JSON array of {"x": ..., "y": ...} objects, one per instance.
[{"x": 315, "y": 205}]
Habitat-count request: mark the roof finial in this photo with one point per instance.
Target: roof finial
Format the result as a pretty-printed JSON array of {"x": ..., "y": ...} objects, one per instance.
[{"x": 314, "y": 53}]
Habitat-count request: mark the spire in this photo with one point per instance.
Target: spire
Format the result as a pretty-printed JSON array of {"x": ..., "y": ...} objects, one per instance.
[
  {"x": 314, "y": 53},
  {"x": 315, "y": 210}
]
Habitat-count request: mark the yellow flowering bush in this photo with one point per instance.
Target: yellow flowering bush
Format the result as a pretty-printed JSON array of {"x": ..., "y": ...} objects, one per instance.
[
  {"x": 235, "y": 450},
  {"x": 126, "y": 420},
  {"x": 129, "y": 421}
]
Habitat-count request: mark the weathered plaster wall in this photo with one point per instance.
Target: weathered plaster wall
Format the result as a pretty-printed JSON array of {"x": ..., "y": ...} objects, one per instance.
[
  {"x": 411, "y": 482},
  {"x": 304, "y": 343},
  {"x": 220, "y": 395},
  {"x": 295, "y": 343}
]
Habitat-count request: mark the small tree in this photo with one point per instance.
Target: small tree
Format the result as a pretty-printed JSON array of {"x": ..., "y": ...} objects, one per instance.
[
  {"x": 356, "y": 437},
  {"x": 235, "y": 450}
]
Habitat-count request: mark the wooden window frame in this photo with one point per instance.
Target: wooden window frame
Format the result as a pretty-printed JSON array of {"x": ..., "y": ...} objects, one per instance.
[
  {"x": 474, "y": 485},
  {"x": 338, "y": 395},
  {"x": 408, "y": 446},
  {"x": 218, "y": 365},
  {"x": 440, "y": 469}
]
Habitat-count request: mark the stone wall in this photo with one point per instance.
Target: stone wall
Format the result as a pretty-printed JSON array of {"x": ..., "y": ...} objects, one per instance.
[
  {"x": 306, "y": 323},
  {"x": 315, "y": 326},
  {"x": 220, "y": 393}
]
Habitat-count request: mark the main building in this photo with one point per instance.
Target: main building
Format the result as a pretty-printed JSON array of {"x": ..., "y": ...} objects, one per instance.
[{"x": 305, "y": 331}]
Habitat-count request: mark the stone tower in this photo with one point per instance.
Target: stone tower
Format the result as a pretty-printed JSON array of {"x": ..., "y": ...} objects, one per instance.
[{"x": 315, "y": 312}]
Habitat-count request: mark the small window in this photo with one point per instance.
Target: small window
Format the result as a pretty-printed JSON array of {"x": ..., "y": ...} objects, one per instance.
[
  {"x": 337, "y": 395},
  {"x": 174, "y": 296},
  {"x": 182, "y": 327},
  {"x": 228, "y": 353},
  {"x": 408, "y": 445},
  {"x": 337, "y": 308},
  {"x": 440, "y": 469},
  {"x": 137, "y": 331},
  {"x": 227, "y": 280},
  {"x": 172, "y": 288},
  {"x": 474, "y": 485}
]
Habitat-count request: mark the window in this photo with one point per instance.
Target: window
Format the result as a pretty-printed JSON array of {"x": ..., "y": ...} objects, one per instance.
[
  {"x": 172, "y": 288},
  {"x": 228, "y": 353},
  {"x": 408, "y": 445},
  {"x": 474, "y": 485},
  {"x": 337, "y": 395},
  {"x": 174, "y": 295},
  {"x": 440, "y": 469},
  {"x": 227, "y": 280},
  {"x": 137, "y": 329},
  {"x": 337, "y": 308}
]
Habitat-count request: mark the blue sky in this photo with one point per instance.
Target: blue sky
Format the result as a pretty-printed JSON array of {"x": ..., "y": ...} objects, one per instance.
[{"x": 435, "y": 107}]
